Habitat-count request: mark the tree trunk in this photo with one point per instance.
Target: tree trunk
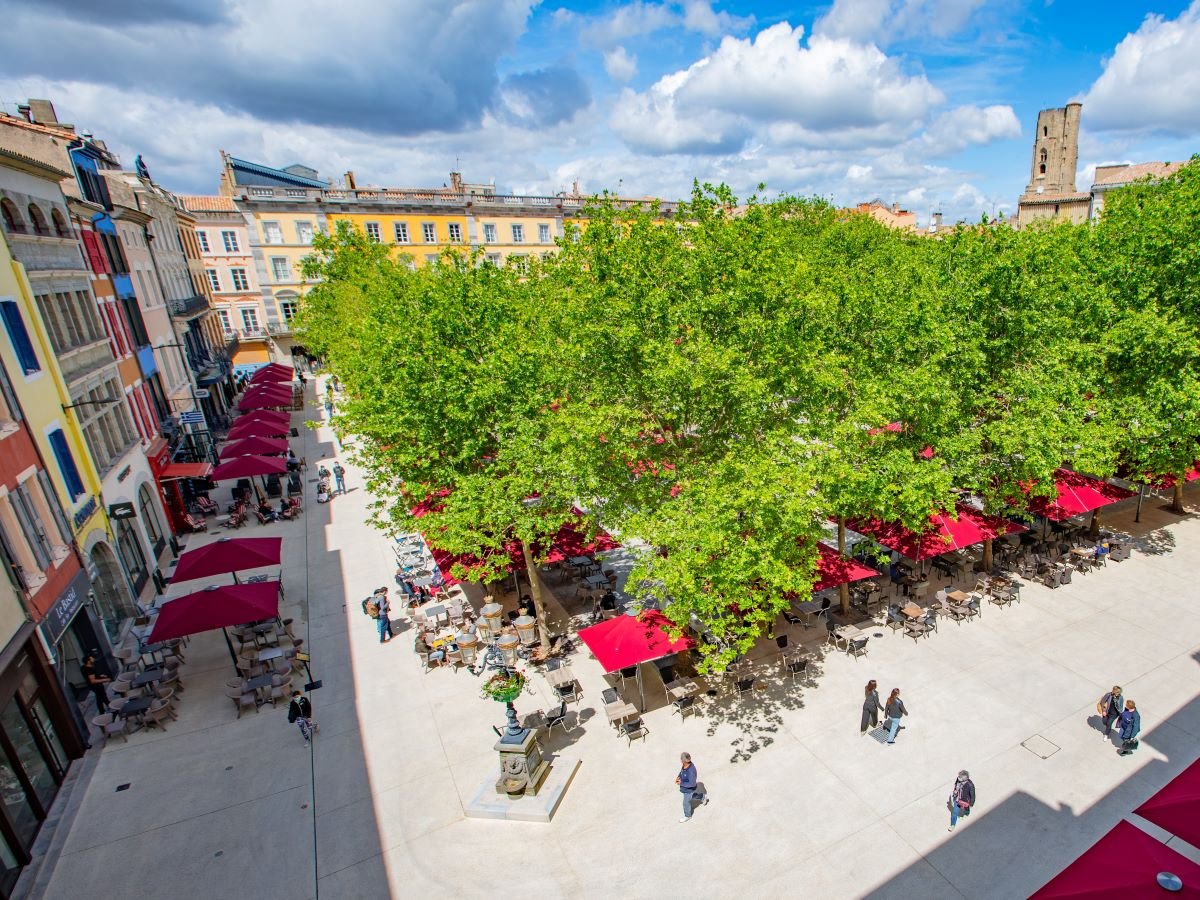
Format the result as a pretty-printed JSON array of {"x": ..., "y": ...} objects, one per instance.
[
  {"x": 535, "y": 587},
  {"x": 844, "y": 590},
  {"x": 1177, "y": 496},
  {"x": 987, "y": 556}
]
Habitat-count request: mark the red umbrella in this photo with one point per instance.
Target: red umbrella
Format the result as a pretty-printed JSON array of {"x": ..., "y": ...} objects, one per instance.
[
  {"x": 943, "y": 535},
  {"x": 248, "y": 467},
  {"x": 273, "y": 416},
  {"x": 1076, "y": 495},
  {"x": 1177, "y": 806},
  {"x": 273, "y": 373},
  {"x": 257, "y": 430},
  {"x": 1123, "y": 865},
  {"x": 254, "y": 446},
  {"x": 216, "y": 607},
  {"x": 260, "y": 402},
  {"x": 834, "y": 569},
  {"x": 269, "y": 392},
  {"x": 626, "y": 641},
  {"x": 228, "y": 555}
]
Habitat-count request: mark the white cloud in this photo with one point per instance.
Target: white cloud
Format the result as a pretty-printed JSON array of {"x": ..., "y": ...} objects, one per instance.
[
  {"x": 620, "y": 64},
  {"x": 1152, "y": 80},
  {"x": 808, "y": 93},
  {"x": 640, "y": 18},
  {"x": 699, "y": 16},
  {"x": 883, "y": 21},
  {"x": 964, "y": 126}
]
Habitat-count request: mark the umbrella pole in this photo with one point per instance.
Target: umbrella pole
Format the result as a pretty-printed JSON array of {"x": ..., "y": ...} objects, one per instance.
[
  {"x": 229, "y": 644},
  {"x": 1137, "y": 517},
  {"x": 641, "y": 688}
]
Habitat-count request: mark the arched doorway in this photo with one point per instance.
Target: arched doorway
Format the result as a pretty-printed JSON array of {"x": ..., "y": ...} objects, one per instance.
[
  {"x": 112, "y": 593},
  {"x": 151, "y": 521}
]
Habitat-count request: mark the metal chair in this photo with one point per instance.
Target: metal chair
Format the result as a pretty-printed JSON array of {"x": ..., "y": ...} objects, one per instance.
[
  {"x": 557, "y": 717},
  {"x": 635, "y": 729},
  {"x": 796, "y": 666},
  {"x": 683, "y": 706},
  {"x": 856, "y": 647}
]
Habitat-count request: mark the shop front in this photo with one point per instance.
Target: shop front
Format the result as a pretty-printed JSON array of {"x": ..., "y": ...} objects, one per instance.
[{"x": 178, "y": 483}]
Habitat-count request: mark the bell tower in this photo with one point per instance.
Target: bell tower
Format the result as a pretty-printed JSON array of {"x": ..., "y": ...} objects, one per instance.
[{"x": 1055, "y": 151}]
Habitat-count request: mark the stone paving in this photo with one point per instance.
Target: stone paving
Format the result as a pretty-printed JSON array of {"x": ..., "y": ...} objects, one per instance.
[{"x": 800, "y": 802}]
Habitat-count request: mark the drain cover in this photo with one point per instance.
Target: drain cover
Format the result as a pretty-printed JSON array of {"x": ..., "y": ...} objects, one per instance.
[
  {"x": 1039, "y": 746},
  {"x": 123, "y": 787}
]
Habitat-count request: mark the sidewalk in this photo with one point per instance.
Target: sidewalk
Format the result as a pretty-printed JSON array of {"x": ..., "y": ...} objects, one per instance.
[{"x": 800, "y": 803}]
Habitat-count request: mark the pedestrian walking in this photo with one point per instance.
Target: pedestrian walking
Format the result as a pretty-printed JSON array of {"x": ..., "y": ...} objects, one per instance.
[
  {"x": 339, "y": 475},
  {"x": 895, "y": 709},
  {"x": 1110, "y": 707},
  {"x": 871, "y": 707},
  {"x": 300, "y": 713},
  {"x": 385, "y": 624},
  {"x": 962, "y": 798},
  {"x": 689, "y": 786},
  {"x": 95, "y": 682},
  {"x": 329, "y": 407},
  {"x": 1131, "y": 727}
]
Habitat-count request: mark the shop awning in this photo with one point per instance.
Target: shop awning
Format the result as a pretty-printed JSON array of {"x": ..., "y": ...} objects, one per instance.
[
  {"x": 1123, "y": 865},
  {"x": 185, "y": 470},
  {"x": 833, "y": 569},
  {"x": 944, "y": 534},
  {"x": 1076, "y": 494},
  {"x": 1177, "y": 806}
]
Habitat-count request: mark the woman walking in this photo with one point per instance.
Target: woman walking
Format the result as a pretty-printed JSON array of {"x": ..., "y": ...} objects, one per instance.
[
  {"x": 1131, "y": 727},
  {"x": 962, "y": 798},
  {"x": 895, "y": 709},
  {"x": 871, "y": 707},
  {"x": 1110, "y": 707}
]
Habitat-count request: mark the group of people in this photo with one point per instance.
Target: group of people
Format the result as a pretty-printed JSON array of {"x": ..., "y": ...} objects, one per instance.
[
  {"x": 894, "y": 709},
  {"x": 1115, "y": 709},
  {"x": 324, "y": 493}
]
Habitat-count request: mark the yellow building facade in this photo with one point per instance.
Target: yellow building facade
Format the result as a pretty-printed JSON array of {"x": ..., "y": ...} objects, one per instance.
[{"x": 421, "y": 235}]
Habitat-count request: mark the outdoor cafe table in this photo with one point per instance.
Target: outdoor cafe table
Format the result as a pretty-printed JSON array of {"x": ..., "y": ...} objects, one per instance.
[
  {"x": 254, "y": 684},
  {"x": 958, "y": 596},
  {"x": 580, "y": 561},
  {"x": 912, "y": 610},
  {"x": 134, "y": 707},
  {"x": 596, "y": 581},
  {"x": 680, "y": 688},
  {"x": 619, "y": 711},
  {"x": 270, "y": 653},
  {"x": 152, "y": 674},
  {"x": 560, "y": 676}
]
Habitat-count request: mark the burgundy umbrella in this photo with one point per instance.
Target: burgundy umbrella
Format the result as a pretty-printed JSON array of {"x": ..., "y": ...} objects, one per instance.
[
  {"x": 1177, "y": 806},
  {"x": 214, "y": 607},
  {"x": 269, "y": 392},
  {"x": 262, "y": 402},
  {"x": 244, "y": 430},
  {"x": 1123, "y": 865},
  {"x": 274, "y": 372},
  {"x": 254, "y": 446},
  {"x": 248, "y": 467},
  {"x": 274, "y": 416},
  {"x": 228, "y": 555}
]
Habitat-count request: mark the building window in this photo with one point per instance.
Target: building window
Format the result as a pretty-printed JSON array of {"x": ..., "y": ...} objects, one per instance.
[
  {"x": 149, "y": 511},
  {"x": 304, "y": 232},
  {"x": 66, "y": 463},
  {"x": 431, "y": 259},
  {"x": 373, "y": 233},
  {"x": 19, "y": 337},
  {"x": 226, "y": 325},
  {"x": 60, "y": 224},
  {"x": 229, "y": 239},
  {"x": 518, "y": 234},
  {"x": 202, "y": 237},
  {"x": 38, "y": 219},
  {"x": 543, "y": 234},
  {"x": 520, "y": 262},
  {"x": 429, "y": 233},
  {"x": 401, "y": 231},
  {"x": 455, "y": 231},
  {"x": 12, "y": 218},
  {"x": 287, "y": 309},
  {"x": 281, "y": 268},
  {"x": 494, "y": 259},
  {"x": 240, "y": 282},
  {"x": 130, "y": 549},
  {"x": 35, "y": 536},
  {"x": 272, "y": 233},
  {"x": 489, "y": 233},
  {"x": 250, "y": 319},
  {"x": 214, "y": 280}
]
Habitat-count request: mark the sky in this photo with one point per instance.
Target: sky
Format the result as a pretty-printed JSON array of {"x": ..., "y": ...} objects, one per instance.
[{"x": 927, "y": 103}]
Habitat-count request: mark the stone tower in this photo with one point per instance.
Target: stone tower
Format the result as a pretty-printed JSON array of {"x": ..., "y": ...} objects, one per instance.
[{"x": 1055, "y": 151}]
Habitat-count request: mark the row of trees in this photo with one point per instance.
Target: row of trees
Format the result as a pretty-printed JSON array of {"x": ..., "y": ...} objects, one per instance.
[{"x": 716, "y": 384}]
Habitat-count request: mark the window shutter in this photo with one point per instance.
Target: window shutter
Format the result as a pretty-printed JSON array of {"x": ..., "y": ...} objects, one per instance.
[
  {"x": 66, "y": 463},
  {"x": 19, "y": 336},
  {"x": 60, "y": 518},
  {"x": 38, "y": 544}
]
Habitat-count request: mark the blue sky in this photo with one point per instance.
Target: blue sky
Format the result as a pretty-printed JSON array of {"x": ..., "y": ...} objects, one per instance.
[{"x": 929, "y": 103}]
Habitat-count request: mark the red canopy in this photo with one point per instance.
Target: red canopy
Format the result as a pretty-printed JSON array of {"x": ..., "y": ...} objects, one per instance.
[
  {"x": 943, "y": 535},
  {"x": 625, "y": 641},
  {"x": 216, "y": 607},
  {"x": 567, "y": 543},
  {"x": 244, "y": 430},
  {"x": 834, "y": 569},
  {"x": 262, "y": 402},
  {"x": 1123, "y": 865},
  {"x": 271, "y": 416},
  {"x": 248, "y": 467},
  {"x": 253, "y": 446},
  {"x": 269, "y": 392},
  {"x": 228, "y": 555},
  {"x": 1177, "y": 806},
  {"x": 1077, "y": 494},
  {"x": 1167, "y": 482},
  {"x": 272, "y": 373}
]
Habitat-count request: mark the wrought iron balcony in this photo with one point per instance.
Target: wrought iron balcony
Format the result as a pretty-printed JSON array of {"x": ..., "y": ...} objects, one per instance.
[{"x": 188, "y": 307}]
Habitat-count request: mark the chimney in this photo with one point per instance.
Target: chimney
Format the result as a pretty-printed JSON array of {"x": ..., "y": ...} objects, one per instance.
[
  {"x": 895, "y": 207},
  {"x": 26, "y": 112},
  {"x": 350, "y": 182},
  {"x": 43, "y": 112}
]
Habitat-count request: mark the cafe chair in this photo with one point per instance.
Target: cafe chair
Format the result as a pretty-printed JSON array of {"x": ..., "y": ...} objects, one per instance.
[{"x": 635, "y": 729}]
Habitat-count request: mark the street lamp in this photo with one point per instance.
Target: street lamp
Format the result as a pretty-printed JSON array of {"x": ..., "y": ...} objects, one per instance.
[{"x": 108, "y": 402}]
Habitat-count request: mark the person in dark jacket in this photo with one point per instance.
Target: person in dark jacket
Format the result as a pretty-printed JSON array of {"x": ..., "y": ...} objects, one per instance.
[
  {"x": 871, "y": 707},
  {"x": 895, "y": 709},
  {"x": 1131, "y": 727},
  {"x": 95, "y": 682},
  {"x": 383, "y": 620},
  {"x": 1111, "y": 705},
  {"x": 962, "y": 798},
  {"x": 300, "y": 712},
  {"x": 688, "y": 785}
]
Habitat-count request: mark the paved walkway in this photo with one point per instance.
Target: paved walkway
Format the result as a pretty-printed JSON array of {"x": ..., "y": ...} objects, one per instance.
[{"x": 801, "y": 804}]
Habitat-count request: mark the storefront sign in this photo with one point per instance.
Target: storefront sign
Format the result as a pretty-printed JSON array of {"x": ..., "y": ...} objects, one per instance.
[
  {"x": 69, "y": 602},
  {"x": 121, "y": 511},
  {"x": 124, "y": 473},
  {"x": 85, "y": 512}
]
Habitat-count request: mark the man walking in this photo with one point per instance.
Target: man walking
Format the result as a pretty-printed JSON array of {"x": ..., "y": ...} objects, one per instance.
[
  {"x": 300, "y": 712},
  {"x": 95, "y": 682},
  {"x": 1110, "y": 707},
  {"x": 688, "y": 786},
  {"x": 339, "y": 475},
  {"x": 895, "y": 709},
  {"x": 962, "y": 798},
  {"x": 385, "y": 624}
]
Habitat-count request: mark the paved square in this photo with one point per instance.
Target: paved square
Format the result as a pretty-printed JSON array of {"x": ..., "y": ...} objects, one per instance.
[{"x": 801, "y": 804}]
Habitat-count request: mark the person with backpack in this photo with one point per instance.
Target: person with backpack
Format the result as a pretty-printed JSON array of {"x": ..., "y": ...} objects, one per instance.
[
  {"x": 1131, "y": 727},
  {"x": 962, "y": 798},
  {"x": 1110, "y": 707},
  {"x": 300, "y": 713}
]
